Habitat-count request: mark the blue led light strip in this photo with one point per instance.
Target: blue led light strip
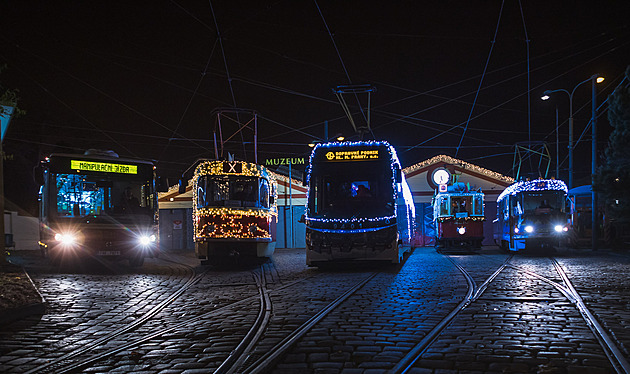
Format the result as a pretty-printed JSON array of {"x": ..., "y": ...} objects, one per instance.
[
  {"x": 394, "y": 163},
  {"x": 533, "y": 185}
]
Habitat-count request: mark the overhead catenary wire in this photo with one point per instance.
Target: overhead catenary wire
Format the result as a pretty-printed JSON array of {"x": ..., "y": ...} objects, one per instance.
[
  {"x": 496, "y": 31},
  {"x": 343, "y": 65},
  {"x": 529, "y": 99},
  {"x": 192, "y": 97}
]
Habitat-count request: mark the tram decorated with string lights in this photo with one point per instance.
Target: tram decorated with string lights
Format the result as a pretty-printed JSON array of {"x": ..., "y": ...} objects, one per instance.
[
  {"x": 458, "y": 213},
  {"x": 234, "y": 210},
  {"x": 97, "y": 205},
  {"x": 532, "y": 214},
  {"x": 359, "y": 206}
]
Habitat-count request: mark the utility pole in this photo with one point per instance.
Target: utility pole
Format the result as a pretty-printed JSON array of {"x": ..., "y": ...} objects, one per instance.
[{"x": 594, "y": 215}]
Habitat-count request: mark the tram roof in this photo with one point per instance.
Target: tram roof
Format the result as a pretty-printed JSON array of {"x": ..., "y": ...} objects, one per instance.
[
  {"x": 533, "y": 185},
  {"x": 218, "y": 167}
]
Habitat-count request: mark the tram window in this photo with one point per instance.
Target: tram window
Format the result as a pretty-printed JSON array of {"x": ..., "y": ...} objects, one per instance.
[
  {"x": 460, "y": 204},
  {"x": 478, "y": 205},
  {"x": 361, "y": 189},
  {"x": 264, "y": 193},
  {"x": 444, "y": 207}
]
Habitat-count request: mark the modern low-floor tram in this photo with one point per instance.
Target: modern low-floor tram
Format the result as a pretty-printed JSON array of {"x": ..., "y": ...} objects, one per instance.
[{"x": 359, "y": 206}]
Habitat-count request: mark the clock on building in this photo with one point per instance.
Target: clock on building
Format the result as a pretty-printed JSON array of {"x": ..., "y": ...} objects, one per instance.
[{"x": 441, "y": 176}]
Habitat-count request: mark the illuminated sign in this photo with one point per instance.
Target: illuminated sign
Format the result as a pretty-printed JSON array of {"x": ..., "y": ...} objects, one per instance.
[
  {"x": 284, "y": 161},
  {"x": 233, "y": 167},
  {"x": 103, "y": 167},
  {"x": 357, "y": 155}
]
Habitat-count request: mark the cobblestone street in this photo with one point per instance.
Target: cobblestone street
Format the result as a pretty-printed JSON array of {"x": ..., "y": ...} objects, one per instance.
[{"x": 491, "y": 312}]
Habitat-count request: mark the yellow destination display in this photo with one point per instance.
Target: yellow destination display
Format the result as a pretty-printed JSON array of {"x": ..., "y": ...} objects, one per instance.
[
  {"x": 104, "y": 167},
  {"x": 357, "y": 155}
]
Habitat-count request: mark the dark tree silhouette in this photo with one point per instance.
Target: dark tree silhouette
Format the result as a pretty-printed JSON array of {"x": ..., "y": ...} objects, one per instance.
[{"x": 613, "y": 177}]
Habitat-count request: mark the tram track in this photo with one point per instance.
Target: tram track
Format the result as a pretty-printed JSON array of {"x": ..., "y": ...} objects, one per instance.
[
  {"x": 566, "y": 288},
  {"x": 473, "y": 293},
  {"x": 614, "y": 354},
  {"x": 242, "y": 358},
  {"x": 58, "y": 364},
  {"x": 236, "y": 357}
]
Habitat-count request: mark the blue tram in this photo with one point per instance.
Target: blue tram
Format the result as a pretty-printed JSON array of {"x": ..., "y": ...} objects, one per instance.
[
  {"x": 359, "y": 206},
  {"x": 532, "y": 213}
]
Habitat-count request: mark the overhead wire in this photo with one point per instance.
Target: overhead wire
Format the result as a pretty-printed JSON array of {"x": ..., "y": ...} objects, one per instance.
[
  {"x": 332, "y": 38},
  {"x": 192, "y": 97},
  {"x": 496, "y": 31},
  {"x": 514, "y": 98}
]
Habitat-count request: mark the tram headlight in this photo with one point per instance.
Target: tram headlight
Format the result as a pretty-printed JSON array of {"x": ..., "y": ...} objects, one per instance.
[
  {"x": 146, "y": 240},
  {"x": 67, "y": 239},
  {"x": 529, "y": 229},
  {"x": 461, "y": 230},
  {"x": 560, "y": 228}
]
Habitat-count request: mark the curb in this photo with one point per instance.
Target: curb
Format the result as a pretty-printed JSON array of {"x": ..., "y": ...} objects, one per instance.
[{"x": 18, "y": 313}]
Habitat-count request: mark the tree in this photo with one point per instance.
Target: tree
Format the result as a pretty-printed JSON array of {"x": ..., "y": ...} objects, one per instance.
[{"x": 613, "y": 177}]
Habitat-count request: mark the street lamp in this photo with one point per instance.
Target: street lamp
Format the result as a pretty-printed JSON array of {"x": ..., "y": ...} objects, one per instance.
[{"x": 595, "y": 79}]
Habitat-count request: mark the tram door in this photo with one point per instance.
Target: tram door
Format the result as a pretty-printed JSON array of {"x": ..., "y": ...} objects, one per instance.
[{"x": 289, "y": 226}]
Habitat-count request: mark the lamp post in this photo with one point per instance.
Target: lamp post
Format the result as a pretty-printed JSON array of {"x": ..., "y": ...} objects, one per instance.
[{"x": 595, "y": 79}]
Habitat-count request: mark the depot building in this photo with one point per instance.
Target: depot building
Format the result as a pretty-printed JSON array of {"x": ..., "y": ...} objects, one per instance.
[{"x": 176, "y": 230}]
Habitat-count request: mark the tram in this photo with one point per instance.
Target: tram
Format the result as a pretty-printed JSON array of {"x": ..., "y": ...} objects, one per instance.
[
  {"x": 458, "y": 214},
  {"x": 234, "y": 210},
  {"x": 98, "y": 205},
  {"x": 532, "y": 213},
  {"x": 359, "y": 206}
]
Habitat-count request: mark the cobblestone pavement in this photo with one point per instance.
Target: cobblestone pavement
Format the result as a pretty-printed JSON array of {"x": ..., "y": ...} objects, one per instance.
[{"x": 519, "y": 324}]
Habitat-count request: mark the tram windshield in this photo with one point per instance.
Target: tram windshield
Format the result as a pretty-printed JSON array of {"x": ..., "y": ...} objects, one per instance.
[
  {"x": 79, "y": 195},
  {"x": 540, "y": 202},
  {"x": 232, "y": 191},
  {"x": 460, "y": 205},
  {"x": 345, "y": 196}
]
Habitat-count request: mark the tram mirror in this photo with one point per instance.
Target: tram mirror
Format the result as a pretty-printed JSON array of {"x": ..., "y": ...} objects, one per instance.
[
  {"x": 182, "y": 185},
  {"x": 398, "y": 175},
  {"x": 38, "y": 175},
  {"x": 161, "y": 184}
]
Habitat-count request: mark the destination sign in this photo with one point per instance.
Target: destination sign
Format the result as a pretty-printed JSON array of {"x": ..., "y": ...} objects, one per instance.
[
  {"x": 352, "y": 155},
  {"x": 103, "y": 167}
]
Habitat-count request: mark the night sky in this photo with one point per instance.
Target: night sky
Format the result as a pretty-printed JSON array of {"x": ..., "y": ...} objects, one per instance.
[{"x": 144, "y": 78}]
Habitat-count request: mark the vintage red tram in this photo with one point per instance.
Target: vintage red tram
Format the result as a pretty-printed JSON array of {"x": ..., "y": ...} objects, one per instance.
[{"x": 458, "y": 215}]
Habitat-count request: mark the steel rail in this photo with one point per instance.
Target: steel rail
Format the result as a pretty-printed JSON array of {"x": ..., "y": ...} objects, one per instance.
[
  {"x": 264, "y": 363},
  {"x": 239, "y": 354},
  {"x": 58, "y": 363},
  {"x": 100, "y": 356},
  {"x": 614, "y": 354},
  {"x": 473, "y": 293}
]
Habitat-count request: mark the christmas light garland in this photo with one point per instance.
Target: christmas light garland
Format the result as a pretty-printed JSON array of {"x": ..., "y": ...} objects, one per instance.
[
  {"x": 233, "y": 222},
  {"x": 394, "y": 164},
  {"x": 460, "y": 163},
  {"x": 533, "y": 185}
]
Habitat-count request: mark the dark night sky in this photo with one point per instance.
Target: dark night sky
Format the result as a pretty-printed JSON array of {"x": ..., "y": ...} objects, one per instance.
[{"x": 144, "y": 77}]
